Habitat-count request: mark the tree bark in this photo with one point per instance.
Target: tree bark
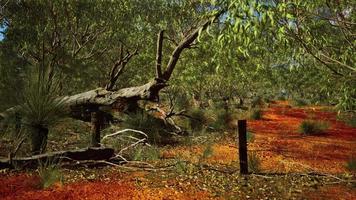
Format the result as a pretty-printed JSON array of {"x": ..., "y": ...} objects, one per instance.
[
  {"x": 99, "y": 153},
  {"x": 39, "y": 137},
  {"x": 96, "y": 123},
  {"x": 103, "y": 97}
]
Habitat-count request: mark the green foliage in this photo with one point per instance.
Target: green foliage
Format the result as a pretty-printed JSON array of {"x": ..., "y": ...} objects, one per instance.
[
  {"x": 153, "y": 127},
  {"x": 208, "y": 151},
  {"x": 250, "y": 137},
  {"x": 351, "y": 164},
  {"x": 49, "y": 173},
  {"x": 184, "y": 167},
  {"x": 299, "y": 102},
  {"x": 254, "y": 162},
  {"x": 348, "y": 118},
  {"x": 145, "y": 153},
  {"x": 313, "y": 127},
  {"x": 41, "y": 107},
  {"x": 41, "y": 104},
  {"x": 256, "y": 114},
  {"x": 197, "y": 119},
  {"x": 222, "y": 119}
]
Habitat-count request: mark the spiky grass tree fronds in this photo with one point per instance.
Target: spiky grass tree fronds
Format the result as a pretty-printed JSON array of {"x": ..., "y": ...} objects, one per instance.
[{"x": 41, "y": 108}]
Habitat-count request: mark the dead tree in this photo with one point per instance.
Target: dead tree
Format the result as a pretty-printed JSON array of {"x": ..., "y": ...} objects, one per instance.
[{"x": 97, "y": 100}]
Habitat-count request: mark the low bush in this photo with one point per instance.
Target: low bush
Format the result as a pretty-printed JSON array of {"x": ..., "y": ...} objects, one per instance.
[
  {"x": 197, "y": 119},
  {"x": 49, "y": 173},
  {"x": 351, "y": 164},
  {"x": 153, "y": 127},
  {"x": 313, "y": 127},
  {"x": 250, "y": 137},
  {"x": 254, "y": 162},
  {"x": 222, "y": 119},
  {"x": 144, "y": 153},
  {"x": 349, "y": 119},
  {"x": 299, "y": 102},
  {"x": 256, "y": 114}
]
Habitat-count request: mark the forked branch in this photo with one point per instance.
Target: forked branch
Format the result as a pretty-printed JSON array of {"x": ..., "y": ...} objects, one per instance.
[
  {"x": 185, "y": 43},
  {"x": 118, "y": 68}
]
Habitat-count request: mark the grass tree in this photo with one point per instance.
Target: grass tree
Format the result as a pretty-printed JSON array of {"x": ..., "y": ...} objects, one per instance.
[{"x": 41, "y": 109}]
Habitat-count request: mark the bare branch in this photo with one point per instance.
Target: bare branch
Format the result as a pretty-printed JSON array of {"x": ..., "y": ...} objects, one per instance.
[
  {"x": 159, "y": 55},
  {"x": 185, "y": 43},
  {"x": 118, "y": 68}
]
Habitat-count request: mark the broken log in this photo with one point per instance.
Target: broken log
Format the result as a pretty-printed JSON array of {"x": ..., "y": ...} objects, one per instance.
[{"x": 99, "y": 153}]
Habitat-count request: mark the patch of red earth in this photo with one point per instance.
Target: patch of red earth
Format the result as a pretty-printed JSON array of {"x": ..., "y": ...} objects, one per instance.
[
  {"x": 279, "y": 140},
  {"x": 26, "y": 187},
  {"x": 331, "y": 193}
]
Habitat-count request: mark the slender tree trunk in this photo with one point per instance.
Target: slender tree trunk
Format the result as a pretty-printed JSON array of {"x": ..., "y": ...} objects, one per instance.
[
  {"x": 39, "y": 139},
  {"x": 96, "y": 124}
]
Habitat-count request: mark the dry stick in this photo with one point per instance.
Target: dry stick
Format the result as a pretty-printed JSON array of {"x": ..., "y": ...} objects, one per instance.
[
  {"x": 125, "y": 130},
  {"x": 138, "y": 141}
]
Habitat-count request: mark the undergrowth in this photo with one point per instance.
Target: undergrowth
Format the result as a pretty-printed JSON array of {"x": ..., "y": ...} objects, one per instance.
[
  {"x": 313, "y": 127},
  {"x": 254, "y": 162},
  {"x": 49, "y": 173},
  {"x": 256, "y": 114},
  {"x": 351, "y": 164}
]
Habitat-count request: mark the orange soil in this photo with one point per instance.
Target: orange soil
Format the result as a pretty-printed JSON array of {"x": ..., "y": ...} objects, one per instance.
[
  {"x": 280, "y": 145},
  {"x": 283, "y": 148},
  {"x": 26, "y": 187},
  {"x": 277, "y": 141}
]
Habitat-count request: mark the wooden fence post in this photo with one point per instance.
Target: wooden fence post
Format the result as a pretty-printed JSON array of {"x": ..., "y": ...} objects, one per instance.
[{"x": 242, "y": 146}]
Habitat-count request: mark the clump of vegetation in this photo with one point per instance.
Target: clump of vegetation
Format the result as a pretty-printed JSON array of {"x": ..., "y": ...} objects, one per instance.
[
  {"x": 197, "y": 119},
  {"x": 41, "y": 108},
  {"x": 254, "y": 162},
  {"x": 223, "y": 119},
  {"x": 313, "y": 127},
  {"x": 299, "y": 102},
  {"x": 250, "y": 137},
  {"x": 208, "y": 152},
  {"x": 351, "y": 164},
  {"x": 153, "y": 127},
  {"x": 145, "y": 153},
  {"x": 49, "y": 173},
  {"x": 256, "y": 114},
  {"x": 257, "y": 101},
  {"x": 349, "y": 119}
]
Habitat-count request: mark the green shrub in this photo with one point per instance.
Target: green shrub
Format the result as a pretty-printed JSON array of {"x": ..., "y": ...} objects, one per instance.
[
  {"x": 40, "y": 109},
  {"x": 257, "y": 101},
  {"x": 254, "y": 162},
  {"x": 299, "y": 102},
  {"x": 351, "y": 164},
  {"x": 250, "y": 137},
  {"x": 197, "y": 119},
  {"x": 49, "y": 173},
  {"x": 313, "y": 127},
  {"x": 256, "y": 114},
  {"x": 349, "y": 119},
  {"x": 222, "y": 120},
  {"x": 208, "y": 151},
  {"x": 144, "y": 153},
  {"x": 153, "y": 127}
]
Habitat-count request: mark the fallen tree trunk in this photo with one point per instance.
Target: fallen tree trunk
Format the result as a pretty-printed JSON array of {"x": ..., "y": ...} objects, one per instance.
[
  {"x": 99, "y": 153},
  {"x": 82, "y": 105}
]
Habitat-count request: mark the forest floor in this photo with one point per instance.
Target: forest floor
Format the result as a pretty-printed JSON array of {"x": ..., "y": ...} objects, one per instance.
[{"x": 290, "y": 166}]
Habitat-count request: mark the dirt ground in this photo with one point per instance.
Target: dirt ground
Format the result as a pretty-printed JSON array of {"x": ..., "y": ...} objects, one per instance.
[{"x": 293, "y": 166}]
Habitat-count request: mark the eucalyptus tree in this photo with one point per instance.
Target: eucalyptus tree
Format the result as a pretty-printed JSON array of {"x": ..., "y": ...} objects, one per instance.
[
  {"x": 83, "y": 40},
  {"x": 320, "y": 31}
]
